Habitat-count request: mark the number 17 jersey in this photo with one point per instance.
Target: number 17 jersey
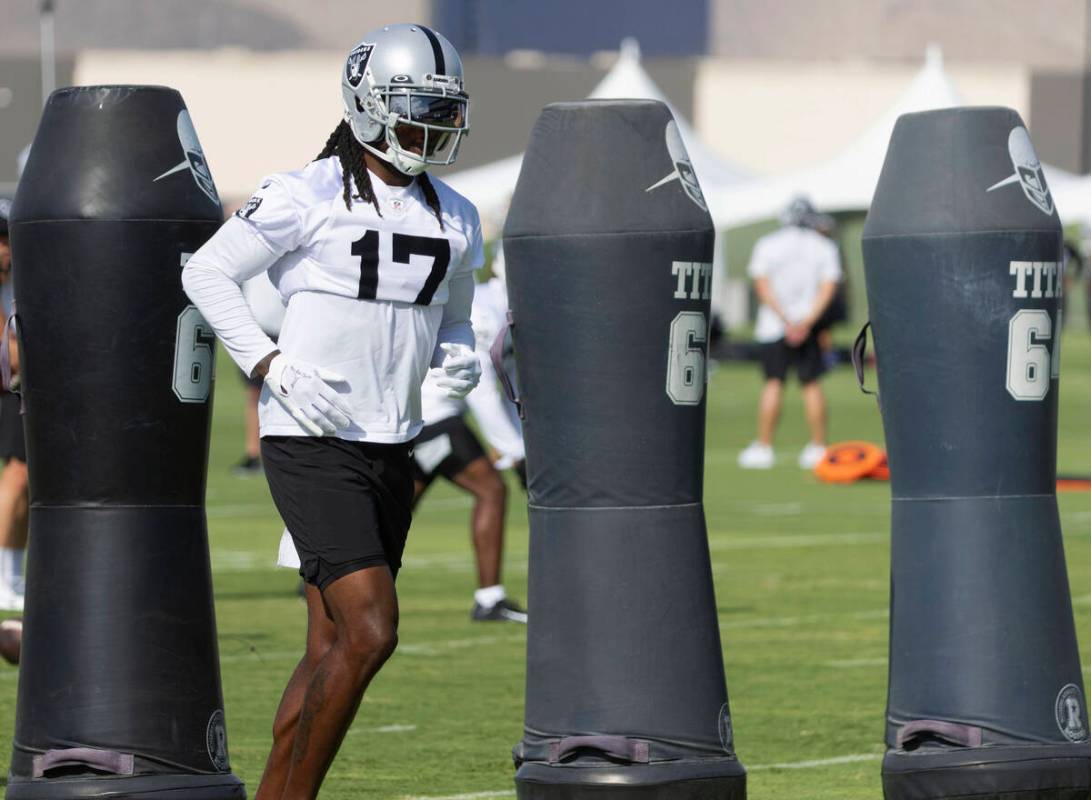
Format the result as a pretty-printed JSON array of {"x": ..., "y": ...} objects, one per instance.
[
  {"x": 396, "y": 253},
  {"x": 366, "y": 290}
]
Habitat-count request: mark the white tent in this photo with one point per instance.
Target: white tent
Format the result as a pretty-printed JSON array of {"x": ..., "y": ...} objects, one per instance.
[
  {"x": 490, "y": 186},
  {"x": 846, "y": 181},
  {"x": 1071, "y": 194}
]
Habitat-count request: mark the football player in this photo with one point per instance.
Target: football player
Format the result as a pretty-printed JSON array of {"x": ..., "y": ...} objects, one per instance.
[
  {"x": 376, "y": 263},
  {"x": 447, "y": 447}
]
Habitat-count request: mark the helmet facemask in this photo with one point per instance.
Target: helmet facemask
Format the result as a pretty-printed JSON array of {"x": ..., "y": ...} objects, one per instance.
[{"x": 432, "y": 119}]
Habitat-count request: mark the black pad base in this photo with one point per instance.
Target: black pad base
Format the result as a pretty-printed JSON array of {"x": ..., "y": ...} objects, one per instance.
[
  {"x": 1037, "y": 772},
  {"x": 721, "y": 779},
  {"x": 144, "y": 787}
]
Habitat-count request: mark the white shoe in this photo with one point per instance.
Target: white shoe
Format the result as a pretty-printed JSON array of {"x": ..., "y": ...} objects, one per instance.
[
  {"x": 10, "y": 600},
  {"x": 811, "y": 455},
  {"x": 757, "y": 456}
]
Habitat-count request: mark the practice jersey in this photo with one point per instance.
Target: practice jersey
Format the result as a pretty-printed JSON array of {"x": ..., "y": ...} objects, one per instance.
[
  {"x": 496, "y": 416},
  {"x": 796, "y": 262},
  {"x": 368, "y": 294}
]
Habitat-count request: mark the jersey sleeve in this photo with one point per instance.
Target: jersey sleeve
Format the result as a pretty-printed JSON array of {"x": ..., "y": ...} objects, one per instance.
[
  {"x": 274, "y": 212},
  {"x": 759, "y": 260},
  {"x": 830, "y": 268}
]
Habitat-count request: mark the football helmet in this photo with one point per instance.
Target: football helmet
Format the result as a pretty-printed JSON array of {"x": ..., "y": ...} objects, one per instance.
[
  {"x": 403, "y": 84},
  {"x": 798, "y": 212}
]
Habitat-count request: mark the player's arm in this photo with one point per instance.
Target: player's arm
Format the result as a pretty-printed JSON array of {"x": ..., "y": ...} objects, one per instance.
[
  {"x": 213, "y": 279},
  {"x": 829, "y": 270},
  {"x": 456, "y": 367},
  {"x": 826, "y": 291},
  {"x": 765, "y": 295}
]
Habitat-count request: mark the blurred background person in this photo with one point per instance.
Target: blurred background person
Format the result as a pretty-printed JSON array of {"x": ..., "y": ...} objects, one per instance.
[
  {"x": 795, "y": 271},
  {"x": 14, "y": 494},
  {"x": 447, "y": 447},
  {"x": 837, "y": 311}
]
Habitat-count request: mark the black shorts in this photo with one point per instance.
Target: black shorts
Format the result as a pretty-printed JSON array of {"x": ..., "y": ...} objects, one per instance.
[
  {"x": 445, "y": 448},
  {"x": 346, "y": 504},
  {"x": 13, "y": 443},
  {"x": 807, "y": 359}
]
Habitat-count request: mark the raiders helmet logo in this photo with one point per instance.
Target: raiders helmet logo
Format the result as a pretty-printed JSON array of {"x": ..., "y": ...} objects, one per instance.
[
  {"x": 683, "y": 168},
  {"x": 357, "y": 63},
  {"x": 1028, "y": 171},
  {"x": 194, "y": 160}
]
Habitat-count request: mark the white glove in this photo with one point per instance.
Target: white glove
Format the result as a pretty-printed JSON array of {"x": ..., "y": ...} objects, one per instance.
[
  {"x": 305, "y": 392},
  {"x": 460, "y": 371}
]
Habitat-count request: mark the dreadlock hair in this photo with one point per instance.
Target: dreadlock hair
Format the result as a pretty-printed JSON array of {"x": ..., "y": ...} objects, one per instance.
[{"x": 344, "y": 144}]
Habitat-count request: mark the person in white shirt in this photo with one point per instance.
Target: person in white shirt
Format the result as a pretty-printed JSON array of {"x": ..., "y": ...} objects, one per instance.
[
  {"x": 376, "y": 262},
  {"x": 447, "y": 447},
  {"x": 795, "y": 272}
]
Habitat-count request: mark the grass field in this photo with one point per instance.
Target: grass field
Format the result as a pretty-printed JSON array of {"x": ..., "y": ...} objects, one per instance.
[{"x": 801, "y": 584}]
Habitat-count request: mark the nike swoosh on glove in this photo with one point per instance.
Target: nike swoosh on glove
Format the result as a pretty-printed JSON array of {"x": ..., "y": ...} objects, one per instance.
[
  {"x": 460, "y": 371},
  {"x": 305, "y": 392}
]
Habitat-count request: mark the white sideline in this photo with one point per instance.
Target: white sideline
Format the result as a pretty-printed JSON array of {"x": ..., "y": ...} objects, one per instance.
[{"x": 820, "y": 762}]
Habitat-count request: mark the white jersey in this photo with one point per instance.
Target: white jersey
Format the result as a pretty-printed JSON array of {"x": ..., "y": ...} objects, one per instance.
[
  {"x": 495, "y": 414},
  {"x": 369, "y": 296},
  {"x": 796, "y": 262}
]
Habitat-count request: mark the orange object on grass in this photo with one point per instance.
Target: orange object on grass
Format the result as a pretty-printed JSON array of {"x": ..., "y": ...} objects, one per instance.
[
  {"x": 881, "y": 472},
  {"x": 846, "y": 462}
]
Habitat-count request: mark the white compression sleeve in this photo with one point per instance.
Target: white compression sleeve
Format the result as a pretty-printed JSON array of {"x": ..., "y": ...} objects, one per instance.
[{"x": 212, "y": 279}]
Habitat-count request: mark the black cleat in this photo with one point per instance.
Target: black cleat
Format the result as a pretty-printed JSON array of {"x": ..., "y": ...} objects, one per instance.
[
  {"x": 504, "y": 611},
  {"x": 249, "y": 465}
]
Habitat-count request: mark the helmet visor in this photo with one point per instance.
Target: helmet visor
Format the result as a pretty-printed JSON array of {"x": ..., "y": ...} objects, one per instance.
[{"x": 441, "y": 112}]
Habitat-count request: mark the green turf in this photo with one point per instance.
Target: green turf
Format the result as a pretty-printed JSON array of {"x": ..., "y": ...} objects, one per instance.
[{"x": 801, "y": 584}]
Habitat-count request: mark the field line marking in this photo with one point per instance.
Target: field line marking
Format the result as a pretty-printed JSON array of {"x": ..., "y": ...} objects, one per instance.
[
  {"x": 804, "y": 540},
  {"x": 852, "y": 663},
  {"x": 468, "y": 796},
  {"x": 803, "y": 619},
  {"x": 818, "y": 762}
]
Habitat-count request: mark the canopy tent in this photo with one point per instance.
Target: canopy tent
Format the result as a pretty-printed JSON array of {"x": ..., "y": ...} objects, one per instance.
[
  {"x": 1071, "y": 194},
  {"x": 847, "y": 181},
  {"x": 490, "y": 186}
]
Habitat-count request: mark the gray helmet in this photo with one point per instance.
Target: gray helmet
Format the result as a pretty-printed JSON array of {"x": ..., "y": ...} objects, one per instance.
[
  {"x": 798, "y": 211},
  {"x": 406, "y": 77}
]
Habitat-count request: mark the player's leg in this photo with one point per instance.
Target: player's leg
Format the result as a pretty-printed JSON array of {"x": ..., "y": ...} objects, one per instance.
[
  {"x": 481, "y": 480},
  {"x": 321, "y": 634},
  {"x": 364, "y": 609},
  {"x": 774, "y": 364},
  {"x": 811, "y": 365},
  {"x": 14, "y": 503},
  {"x": 467, "y": 466},
  {"x": 346, "y": 505}
]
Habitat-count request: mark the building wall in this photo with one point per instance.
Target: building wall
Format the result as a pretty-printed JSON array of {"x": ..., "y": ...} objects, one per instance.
[
  {"x": 577, "y": 27},
  {"x": 257, "y": 113},
  {"x": 1044, "y": 34}
]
